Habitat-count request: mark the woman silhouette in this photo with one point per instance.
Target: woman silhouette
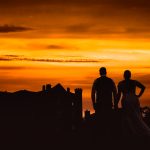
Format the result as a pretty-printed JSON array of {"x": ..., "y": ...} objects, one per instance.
[{"x": 132, "y": 122}]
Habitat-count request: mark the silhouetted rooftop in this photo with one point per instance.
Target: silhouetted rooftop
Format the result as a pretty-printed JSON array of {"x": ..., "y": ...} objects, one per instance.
[{"x": 59, "y": 88}]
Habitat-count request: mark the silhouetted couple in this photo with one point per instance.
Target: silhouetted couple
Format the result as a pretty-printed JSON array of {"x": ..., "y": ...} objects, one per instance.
[{"x": 105, "y": 98}]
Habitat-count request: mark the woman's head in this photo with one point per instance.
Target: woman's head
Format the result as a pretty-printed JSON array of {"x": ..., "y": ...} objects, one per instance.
[{"x": 127, "y": 74}]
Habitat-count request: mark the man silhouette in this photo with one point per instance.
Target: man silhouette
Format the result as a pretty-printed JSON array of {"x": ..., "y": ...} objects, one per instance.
[{"x": 103, "y": 92}]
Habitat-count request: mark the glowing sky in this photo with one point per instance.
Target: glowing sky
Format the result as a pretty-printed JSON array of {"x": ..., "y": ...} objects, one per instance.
[{"x": 51, "y": 41}]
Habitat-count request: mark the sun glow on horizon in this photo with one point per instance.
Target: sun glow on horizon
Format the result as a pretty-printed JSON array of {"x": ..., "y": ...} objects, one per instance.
[{"x": 29, "y": 63}]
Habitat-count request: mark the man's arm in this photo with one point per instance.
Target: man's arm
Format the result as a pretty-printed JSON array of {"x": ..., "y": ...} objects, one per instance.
[
  {"x": 118, "y": 94},
  {"x": 115, "y": 96},
  {"x": 93, "y": 92},
  {"x": 142, "y": 87}
]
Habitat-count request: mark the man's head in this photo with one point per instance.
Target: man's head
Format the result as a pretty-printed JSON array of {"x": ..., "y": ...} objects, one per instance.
[
  {"x": 127, "y": 74},
  {"x": 102, "y": 71}
]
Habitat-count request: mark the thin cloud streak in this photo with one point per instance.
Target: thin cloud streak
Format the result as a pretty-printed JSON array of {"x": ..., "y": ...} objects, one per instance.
[
  {"x": 56, "y": 47},
  {"x": 12, "y": 68},
  {"x": 84, "y": 60},
  {"x": 12, "y": 28}
]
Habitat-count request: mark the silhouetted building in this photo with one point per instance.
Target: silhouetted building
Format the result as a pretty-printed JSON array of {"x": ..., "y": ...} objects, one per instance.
[
  {"x": 68, "y": 90},
  {"x": 52, "y": 108},
  {"x": 87, "y": 115},
  {"x": 48, "y": 87},
  {"x": 77, "y": 107},
  {"x": 43, "y": 88}
]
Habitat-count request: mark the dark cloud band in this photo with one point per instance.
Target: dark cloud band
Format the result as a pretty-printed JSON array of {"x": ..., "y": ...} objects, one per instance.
[{"x": 12, "y": 28}]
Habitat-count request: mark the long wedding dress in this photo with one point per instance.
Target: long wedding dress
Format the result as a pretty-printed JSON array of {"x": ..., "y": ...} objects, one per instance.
[{"x": 132, "y": 121}]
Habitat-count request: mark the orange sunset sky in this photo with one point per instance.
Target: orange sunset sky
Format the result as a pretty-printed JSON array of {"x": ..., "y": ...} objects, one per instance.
[{"x": 67, "y": 41}]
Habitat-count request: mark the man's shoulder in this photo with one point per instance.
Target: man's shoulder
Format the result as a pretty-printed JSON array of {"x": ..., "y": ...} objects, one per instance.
[
  {"x": 96, "y": 80},
  {"x": 109, "y": 79},
  {"x": 103, "y": 79}
]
